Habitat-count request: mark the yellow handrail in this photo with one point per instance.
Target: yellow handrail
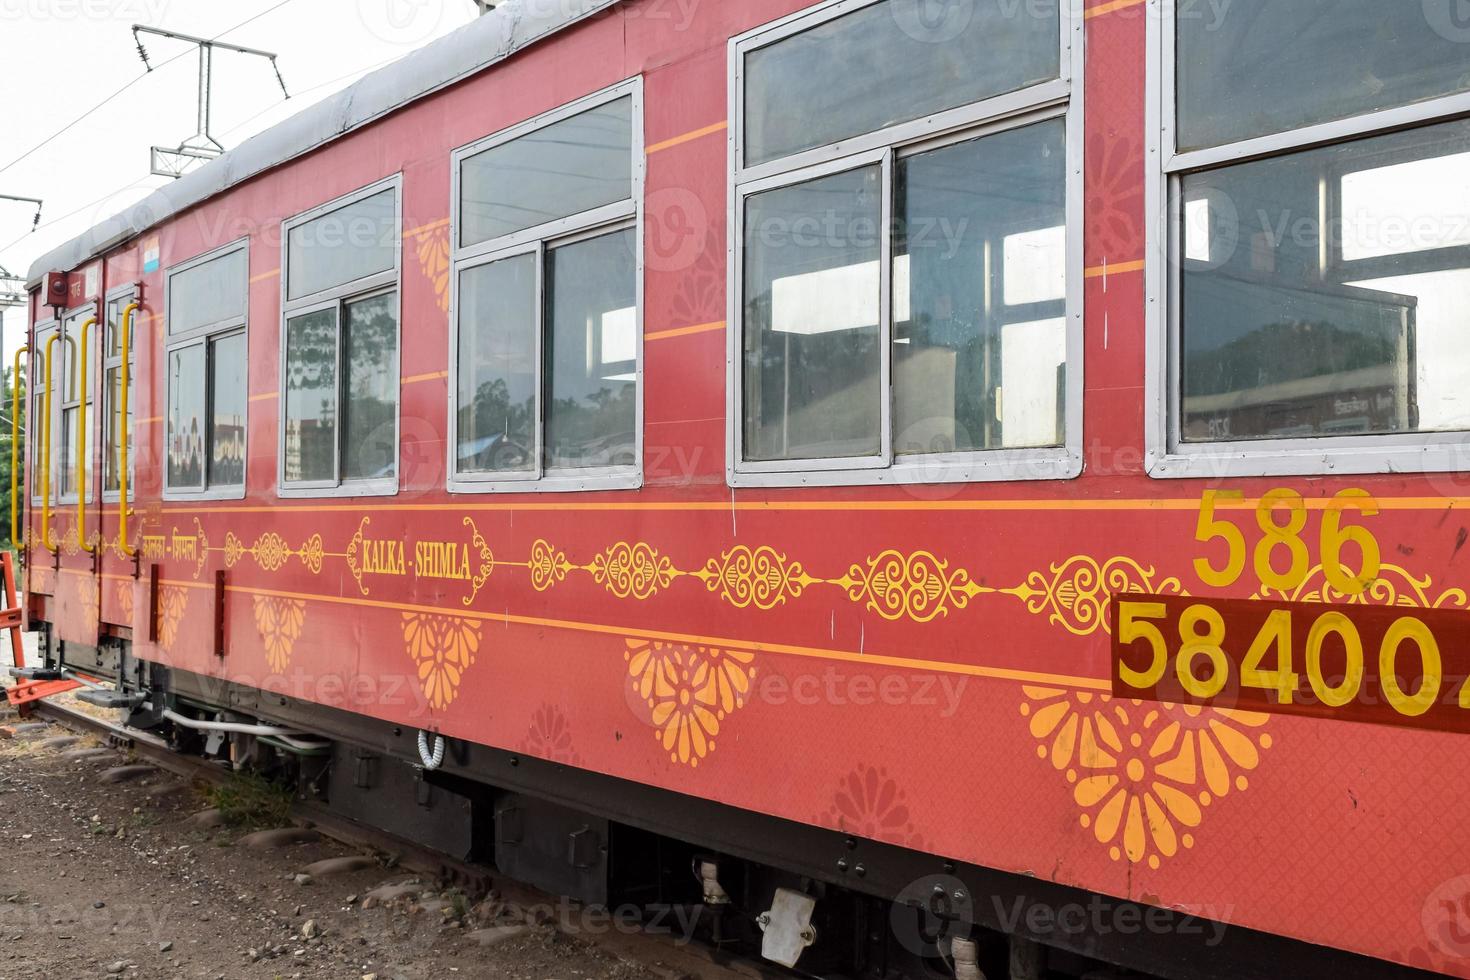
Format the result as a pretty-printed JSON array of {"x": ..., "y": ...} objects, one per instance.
[
  {"x": 51, "y": 546},
  {"x": 124, "y": 433},
  {"x": 83, "y": 489},
  {"x": 15, "y": 536}
]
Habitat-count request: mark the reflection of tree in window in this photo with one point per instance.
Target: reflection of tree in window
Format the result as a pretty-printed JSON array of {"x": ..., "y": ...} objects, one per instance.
[
  {"x": 591, "y": 352},
  {"x": 369, "y": 418},
  {"x": 311, "y": 396}
]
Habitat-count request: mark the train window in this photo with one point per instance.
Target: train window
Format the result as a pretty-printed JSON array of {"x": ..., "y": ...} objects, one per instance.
[
  {"x": 915, "y": 61},
  {"x": 1318, "y": 252},
  {"x": 349, "y": 243},
  {"x": 206, "y": 312},
  {"x": 340, "y": 340},
  {"x": 572, "y": 166},
  {"x": 909, "y": 302},
  {"x": 547, "y": 343},
  {"x": 67, "y": 401},
  {"x": 112, "y": 360},
  {"x": 1263, "y": 67},
  {"x": 36, "y": 418}
]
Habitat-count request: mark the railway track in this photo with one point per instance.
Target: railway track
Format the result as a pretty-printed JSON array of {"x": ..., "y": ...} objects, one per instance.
[{"x": 656, "y": 952}]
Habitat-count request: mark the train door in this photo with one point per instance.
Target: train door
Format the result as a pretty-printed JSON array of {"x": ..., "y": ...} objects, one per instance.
[
  {"x": 69, "y": 537},
  {"x": 40, "y": 570},
  {"x": 119, "y": 531}
]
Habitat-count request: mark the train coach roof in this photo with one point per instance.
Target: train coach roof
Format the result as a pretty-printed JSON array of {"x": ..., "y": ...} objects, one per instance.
[{"x": 489, "y": 39}]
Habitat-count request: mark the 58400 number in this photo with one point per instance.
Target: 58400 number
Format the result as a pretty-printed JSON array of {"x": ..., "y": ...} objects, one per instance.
[{"x": 1362, "y": 663}]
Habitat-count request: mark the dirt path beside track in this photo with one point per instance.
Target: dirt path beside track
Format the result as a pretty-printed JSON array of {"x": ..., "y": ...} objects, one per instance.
[{"x": 104, "y": 879}]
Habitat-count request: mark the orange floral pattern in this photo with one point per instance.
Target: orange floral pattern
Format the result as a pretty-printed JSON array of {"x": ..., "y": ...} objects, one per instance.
[
  {"x": 280, "y": 622},
  {"x": 433, "y": 256},
  {"x": 689, "y": 690},
  {"x": 1144, "y": 773},
  {"x": 443, "y": 649},
  {"x": 173, "y": 602}
]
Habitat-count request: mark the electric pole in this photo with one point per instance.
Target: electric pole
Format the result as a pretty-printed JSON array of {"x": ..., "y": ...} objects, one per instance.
[
  {"x": 12, "y": 287},
  {"x": 202, "y": 146}
]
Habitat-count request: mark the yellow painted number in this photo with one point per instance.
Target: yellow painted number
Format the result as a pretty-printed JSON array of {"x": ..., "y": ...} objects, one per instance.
[
  {"x": 1409, "y": 628},
  {"x": 1334, "y": 536},
  {"x": 1208, "y": 529},
  {"x": 1275, "y": 632},
  {"x": 1206, "y": 643},
  {"x": 1133, "y": 626},
  {"x": 1276, "y": 536},
  {"x": 1339, "y": 694}
]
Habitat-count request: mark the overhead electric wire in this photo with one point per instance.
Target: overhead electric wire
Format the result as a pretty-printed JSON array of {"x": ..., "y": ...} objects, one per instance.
[{"x": 130, "y": 83}]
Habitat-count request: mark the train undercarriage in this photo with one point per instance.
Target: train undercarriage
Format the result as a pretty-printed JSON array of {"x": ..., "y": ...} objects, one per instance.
[{"x": 778, "y": 898}]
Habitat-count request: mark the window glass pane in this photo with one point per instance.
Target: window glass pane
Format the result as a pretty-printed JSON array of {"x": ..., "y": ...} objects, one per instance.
[
  {"x": 591, "y": 374},
  {"x": 571, "y": 166},
  {"x": 370, "y": 413},
  {"x": 342, "y": 246},
  {"x": 497, "y": 367},
  {"x": 1255, "y": 67},
  {"x": 113, "y": 338},
  {"x": 213, "y": 292},
  {"x": 111, "y": 457},
  {"x": 227, "y": 358},
  {"x": 811, "y": 350},
  {"x": 892, "y": 62},
  {"x": 1288, "y": 331},
  {"x": 68, "y": 452},
  {"x": 311, "y": 397},
  {"x": 979, "y": 293},
  {"x": 186, "y": 417}
]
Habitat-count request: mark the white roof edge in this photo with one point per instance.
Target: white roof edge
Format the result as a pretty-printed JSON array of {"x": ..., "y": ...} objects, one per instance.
[{"x": 489, "y": 39}]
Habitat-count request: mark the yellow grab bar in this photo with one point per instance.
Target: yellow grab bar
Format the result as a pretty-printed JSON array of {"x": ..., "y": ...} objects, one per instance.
[
  {"x": 46, "y": 453},
  {"x": 16, "y": 539},
  {"x": 83, "y": 489},
  {"x": 124, "y": 433}
]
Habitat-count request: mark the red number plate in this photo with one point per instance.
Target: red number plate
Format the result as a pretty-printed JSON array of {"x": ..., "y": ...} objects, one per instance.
[{"x": 1388, "y": 665}]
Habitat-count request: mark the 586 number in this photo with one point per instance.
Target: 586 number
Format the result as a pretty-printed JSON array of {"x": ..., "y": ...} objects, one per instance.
[{"x": 1281, "y": 557}]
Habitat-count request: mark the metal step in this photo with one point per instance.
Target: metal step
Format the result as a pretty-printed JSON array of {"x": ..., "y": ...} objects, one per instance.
[
  {"x": 111, "y": 698},
  {"x": 36, "y": 673}
]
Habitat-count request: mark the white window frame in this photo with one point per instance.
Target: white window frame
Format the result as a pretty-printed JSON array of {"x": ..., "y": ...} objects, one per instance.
[
  {"x": 204, "y": 335},
  {"x": 122, "y": 295},
  {"x": 338, "y": 297},
  {"x": 36, "y": 393},
  {"x": 71, "y": 352},
  {"x": 1166, "y": 455},
  {"x": 539, "y": 240},
  {"x": 1058, "y": 98}
]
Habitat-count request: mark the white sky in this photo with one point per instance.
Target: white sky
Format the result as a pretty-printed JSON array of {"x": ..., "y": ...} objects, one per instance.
[{"x": 61, "y": 57}]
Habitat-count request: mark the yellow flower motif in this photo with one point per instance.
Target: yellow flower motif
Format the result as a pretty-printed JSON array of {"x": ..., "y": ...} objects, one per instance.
[
  {"x": 689, "y": 692},
  {"x": 173, "y": 600},
  {"x": 443, "y": 648},
  {"x": 123, "y": 594},
  {"x": 433, "y": 256},
  {"x": 279, "y": 622},
  {"x": 1143, "y": 773}
]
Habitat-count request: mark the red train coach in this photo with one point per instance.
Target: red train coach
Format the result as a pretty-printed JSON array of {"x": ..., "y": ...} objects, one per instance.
[{"x": 936, "y": 469}]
